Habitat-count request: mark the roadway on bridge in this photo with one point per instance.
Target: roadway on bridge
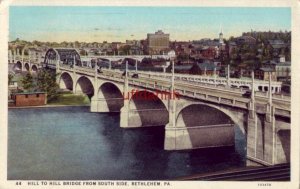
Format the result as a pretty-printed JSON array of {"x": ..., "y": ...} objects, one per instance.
[{"x": 224, "y": 93}]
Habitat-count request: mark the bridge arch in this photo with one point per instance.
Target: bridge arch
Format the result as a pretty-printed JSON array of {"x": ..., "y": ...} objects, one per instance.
[
  {"x": 147, "y": 109},
  {"x": 214, "y": 111},
  {"x": 26, "y": 66},
  {"x": 66, "y": 81},
  {"x": 34, "y": 68},
  {"x": 84, "y": 86},
  {"x": 112, "y": 96},
  {"x": 18, "y": 66},
  {"x": 202, "y": 125},
  {"x": 201, "y": 115}
]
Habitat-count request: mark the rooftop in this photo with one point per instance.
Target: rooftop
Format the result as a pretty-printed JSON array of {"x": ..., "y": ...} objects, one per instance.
[{"x": 29, "y": 93}]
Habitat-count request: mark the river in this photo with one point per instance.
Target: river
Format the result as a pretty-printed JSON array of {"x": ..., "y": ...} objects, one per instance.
[{"x": 70, "y": 143}]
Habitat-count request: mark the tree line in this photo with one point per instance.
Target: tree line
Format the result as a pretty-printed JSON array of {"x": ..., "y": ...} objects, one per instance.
[{"x": 44, "y": 81}]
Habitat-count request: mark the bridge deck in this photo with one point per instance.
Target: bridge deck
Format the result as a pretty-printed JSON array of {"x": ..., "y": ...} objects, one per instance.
[{"x": 221, "y": 95}]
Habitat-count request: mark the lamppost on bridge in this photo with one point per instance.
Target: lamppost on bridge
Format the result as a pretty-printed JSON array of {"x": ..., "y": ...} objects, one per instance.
[
  {"x": 228, "y": 75},
  {"x": 126, "y": 68},
  {"x": 215, "y": 75},
  {"x": 136, "y": 66},
  {"x": 173, "y": 80},
  {"x": 252, "y": 103},
  {"x": 172, "y": 104},
  {"x": 270, "y": 89}
]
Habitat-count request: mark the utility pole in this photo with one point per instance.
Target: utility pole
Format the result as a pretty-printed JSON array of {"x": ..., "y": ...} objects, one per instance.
[
  {"x": 228, "y": 75},
  {"x": 173, "y": 80},
  {"x": 126, "y": 69},
  {"x": 136, "y": 69},
  {"x": 270, "y": 89}
]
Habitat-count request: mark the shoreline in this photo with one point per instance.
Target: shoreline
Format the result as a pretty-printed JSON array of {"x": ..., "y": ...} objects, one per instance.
[{"x": 45, "y": 106}]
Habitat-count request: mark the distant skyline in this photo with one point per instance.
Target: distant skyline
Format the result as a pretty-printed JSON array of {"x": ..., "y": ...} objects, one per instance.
[{"x": 97, "y": 24}]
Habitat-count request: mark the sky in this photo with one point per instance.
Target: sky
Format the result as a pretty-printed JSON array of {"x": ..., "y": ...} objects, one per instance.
[{"x": 97, "y": 24}]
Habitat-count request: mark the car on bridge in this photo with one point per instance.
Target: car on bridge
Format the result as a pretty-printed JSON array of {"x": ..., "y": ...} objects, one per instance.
[
  {"x": 247, "y": 94},
  {"x": 99, "y": 70},
  {"x": 135, "y": 75}
]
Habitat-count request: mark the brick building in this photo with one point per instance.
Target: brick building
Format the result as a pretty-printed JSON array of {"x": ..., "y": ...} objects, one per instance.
[{"x": 29, "y": 99}]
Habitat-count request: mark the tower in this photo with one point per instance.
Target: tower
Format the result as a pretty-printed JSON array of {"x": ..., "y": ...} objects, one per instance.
[{"x": 221, "y": 36}]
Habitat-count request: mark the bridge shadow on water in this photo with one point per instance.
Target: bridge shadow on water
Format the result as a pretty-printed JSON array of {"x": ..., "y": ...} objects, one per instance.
[{"x": 141, "y": 151}]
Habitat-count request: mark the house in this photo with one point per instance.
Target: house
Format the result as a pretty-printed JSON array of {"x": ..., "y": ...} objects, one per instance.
[
  {"x": 208, "y": 69},
  {"x": 29, "y": 99},
  {"x": 263, "y": 73},
  {"x": 209, "y": 52},
  {"x": 277, "y": 44},
  {"x": 249, "y": 40},
  {"x": 36, "y": 55},
  {"x": 172, "y": 54},
  {"x": 283, "y": 71}
]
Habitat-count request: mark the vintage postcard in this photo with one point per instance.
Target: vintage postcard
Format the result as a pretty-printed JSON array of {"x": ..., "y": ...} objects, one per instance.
[{"x": 146, "y": 95}]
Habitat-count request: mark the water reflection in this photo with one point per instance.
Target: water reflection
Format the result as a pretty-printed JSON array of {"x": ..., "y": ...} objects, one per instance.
[{"x": 72, "y": 143}]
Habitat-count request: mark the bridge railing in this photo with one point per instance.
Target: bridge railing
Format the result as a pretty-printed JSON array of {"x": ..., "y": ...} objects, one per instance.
[
  {"x": 204, "y": 81},
  {"x": 186, "y": 90},
  {"x": 208, "y": 79},
  {"x": 274, "y": 95},
  {"x": 282, "y": 96}
]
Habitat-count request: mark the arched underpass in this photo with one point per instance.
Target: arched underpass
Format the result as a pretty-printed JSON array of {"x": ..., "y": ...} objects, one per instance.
[
  {"x": 66, "y": 81},
  {"x": 84, "y": 86},
  {"x": 204, "y": 126},
  {"x": 34, "y": 68},
  {"x": 18, "y": 66},
  {"x": 146, "y": 109},
  {"x": 27, "y": 67},
  {"x": 110, "y": 98}
]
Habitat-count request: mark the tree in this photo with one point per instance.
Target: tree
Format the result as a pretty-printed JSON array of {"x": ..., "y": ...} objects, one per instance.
[
  {"x": 46, "y": 82},
  {"x": 125, "y": 49},
  {"x": 195, "y": 70},
  {"x": 82, "y": 52},
  {"x": 28, "y": 82}
]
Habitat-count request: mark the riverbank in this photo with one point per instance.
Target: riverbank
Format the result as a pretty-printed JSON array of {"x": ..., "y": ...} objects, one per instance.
[
  {"x": 46, "y": 106},
  {"x": 70, "y": 99}
]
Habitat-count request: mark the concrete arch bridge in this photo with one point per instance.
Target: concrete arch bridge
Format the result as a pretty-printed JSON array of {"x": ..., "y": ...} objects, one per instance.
[{"x": 195, "y": 116}]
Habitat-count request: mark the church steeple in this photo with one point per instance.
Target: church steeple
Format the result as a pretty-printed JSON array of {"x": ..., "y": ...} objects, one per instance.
[{"x": 221, "y": 35}]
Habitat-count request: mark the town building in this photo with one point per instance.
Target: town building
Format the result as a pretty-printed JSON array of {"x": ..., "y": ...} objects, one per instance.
[
  {"x": 36, "y": 55},
  {"x": 172, "y": 54},
  {"x": 263, "y": 73},
  {"x": 283, "y": 71},
  {"x": 29, "y": 99},
  {"x": 158, "y": 43},
  {"x": 249, "y": 40},
  {"x": 205, "y": 69}
]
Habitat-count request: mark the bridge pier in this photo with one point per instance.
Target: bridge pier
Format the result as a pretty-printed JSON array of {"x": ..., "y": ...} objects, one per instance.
[
  {"x": 266, "y": 145},
  {"x": 124, "y": 114},
  {"x": 106, "y": 105},
  {"x": 170, "y": 132}
]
